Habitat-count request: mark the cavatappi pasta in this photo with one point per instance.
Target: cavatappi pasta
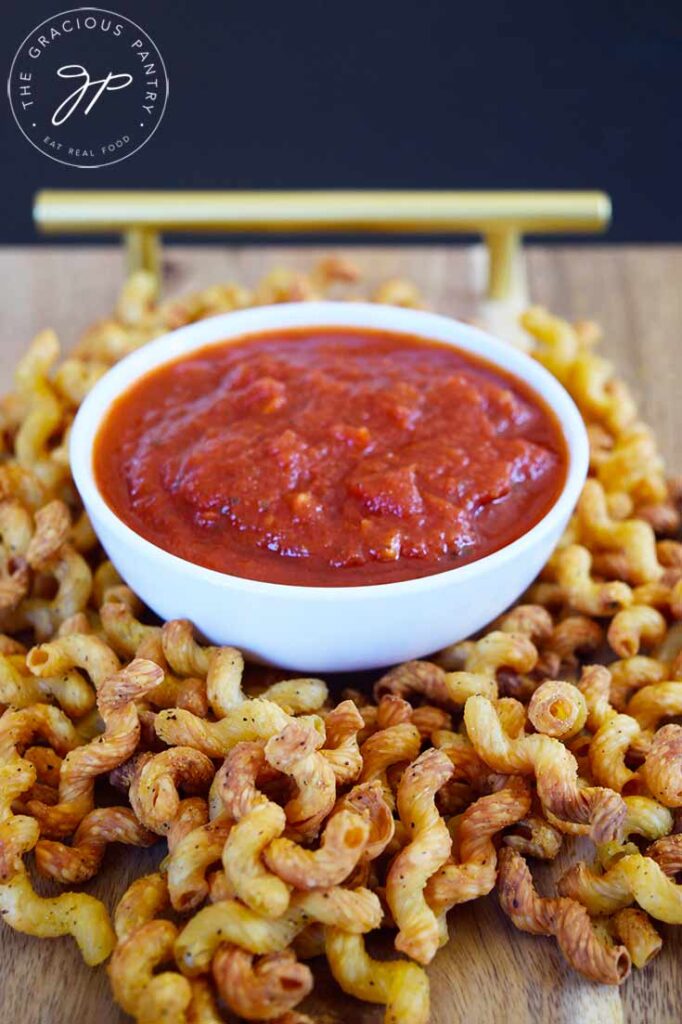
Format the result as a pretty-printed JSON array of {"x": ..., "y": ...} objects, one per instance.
[{"x": 290, "y": 824}]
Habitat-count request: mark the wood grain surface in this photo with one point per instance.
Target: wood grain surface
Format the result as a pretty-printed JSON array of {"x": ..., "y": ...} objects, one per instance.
[{"x": 489, "y": 973}]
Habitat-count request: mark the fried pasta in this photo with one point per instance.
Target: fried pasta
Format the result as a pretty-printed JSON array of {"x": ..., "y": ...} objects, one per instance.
[{"x": 289, "y": 826}]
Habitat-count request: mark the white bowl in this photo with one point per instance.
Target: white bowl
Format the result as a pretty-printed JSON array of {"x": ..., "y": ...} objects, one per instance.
[{"x": 327, "y": 629}]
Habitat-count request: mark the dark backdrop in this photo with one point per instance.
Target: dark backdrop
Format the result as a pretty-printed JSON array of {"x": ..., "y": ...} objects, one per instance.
[{"x": 427, "y": 94}]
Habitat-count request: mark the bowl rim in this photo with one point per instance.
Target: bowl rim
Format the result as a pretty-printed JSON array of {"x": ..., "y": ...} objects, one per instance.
[{"x": 235, "y": 325}]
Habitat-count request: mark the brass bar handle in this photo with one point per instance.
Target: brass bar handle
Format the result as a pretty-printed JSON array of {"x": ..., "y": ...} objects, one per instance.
[{"x": 501, "y": 217}]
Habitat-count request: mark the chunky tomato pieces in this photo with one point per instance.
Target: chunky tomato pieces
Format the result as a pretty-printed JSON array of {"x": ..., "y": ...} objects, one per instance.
[{"x": 330, "y": 457}]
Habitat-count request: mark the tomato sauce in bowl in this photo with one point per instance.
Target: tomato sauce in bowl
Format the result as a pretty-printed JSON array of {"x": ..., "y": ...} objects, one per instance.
[{"x": 330, "y": 457}]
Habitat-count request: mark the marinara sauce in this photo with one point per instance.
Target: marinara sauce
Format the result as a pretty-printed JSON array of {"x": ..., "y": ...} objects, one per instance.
[{"x": 330, "y": 457}]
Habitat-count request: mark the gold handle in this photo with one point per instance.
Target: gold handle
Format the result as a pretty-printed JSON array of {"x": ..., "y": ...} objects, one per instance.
[{"x": 501, "y": 217}]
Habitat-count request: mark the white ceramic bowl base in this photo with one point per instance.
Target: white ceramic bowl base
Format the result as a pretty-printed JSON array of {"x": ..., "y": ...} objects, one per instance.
[{"x": 327, "y": 629}]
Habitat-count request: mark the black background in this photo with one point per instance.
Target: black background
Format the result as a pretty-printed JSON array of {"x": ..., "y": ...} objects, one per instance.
[{"x": 371, "y": 94}]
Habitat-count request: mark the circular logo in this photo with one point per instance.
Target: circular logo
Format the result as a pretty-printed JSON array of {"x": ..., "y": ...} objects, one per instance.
[{"x": 88, "y": 87}]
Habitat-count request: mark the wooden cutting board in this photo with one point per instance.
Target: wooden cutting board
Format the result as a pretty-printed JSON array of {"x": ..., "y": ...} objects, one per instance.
[{"x": 489, "y": 973}]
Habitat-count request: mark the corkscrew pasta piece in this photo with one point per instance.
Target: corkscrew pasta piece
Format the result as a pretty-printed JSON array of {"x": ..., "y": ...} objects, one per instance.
[
  {"x": 73, "y": 378},
  {"x": 401, "y": 986},
  {"x": 191, "y": 814},
  {"x": 343, "y": 843},
  {"x": 667, "y": 852},
  {"x": 634, "y": 539},
  {"x": 633, "y": 878},
  {"x": 428, "y": 849},
  {"x": 189, "y": 860},
  {"x": 15, "y": 578},
  {"x": 44, "y": 412},
  {"x": 17, "y": 527},
  {"x": 494, "y": 651},
  {"x": 414, "y": 678},
  {"x": 589, "y": 378},
  {"x": 663, "y": 516},
  {"x": 47, "y": 615},
  {"x": 146, "y": 996},
  {"x": 154, "y": 788},
  {"x": 557, "y": 709},
  {"x": 188, "y": 693},
  {"x": 646, "y": 818},
  {"x": 394, "y": 745},
  {"x": 144, "y": 944},
  {"x": 223, "y": 679},
  {"x": 34, "y": 555},
  {"x": 258, "y": 822},
  {"x": 260, "y": 989},
  {"x": 628, "y": 674},
  {"x": 564, "y": 918},
  {"x": 137, "y": 298},
  {"x": 21, "y": 483},
  {"x": 297, "y": 696},
  {"x": 581, "y": 592},
  {"x": 557, "y": 343},
  {"x": 116, "y": 701},
  {"x": 512, "y": 715},
  {"x": 294, "y": 752},
  {"x": 20, "y": 689},
  {"x": 228, "y": 920},
  {"x": 531, "y": 620},
  {"x": 393, "y": 710},
  {"x": 573, "y": 636},
  {"x": 634, "y": 466},
  {"x": 653, "y": 703},
  {"x": 184, "y": 654},
  {"x": 601, "y": 811},
  {"x": 252, "y": 881},
  {"x": 52, "y": 525},
  {"x": 473, "y": 872},
  {"x": 341, "y": 749},
  {"x": 255, "y": 719},
  {"x": 632, "y": 627},
  {"x": 533, "y": 836},
  {"x": 468, "y": 765},
  {"x": 609, "y": 748},
  {"x": 143, "y": 900},
  {"x": 124, "y": 632},
  {"x": 356, "y": 910},
  {"x": 662, "y": 596},
  {"x": 367, "y": 799},
  {"x": 662, "y": 768},
  {"x": 74, "y": 864},
  {"x": 80, "y": 651},
  {"x": 234, "y": 789},
  {"x": 429, "y": 719},
  {"x": 634, "y": 929},
  {"x": 104, "y": 579},
  {"x": 70, "y": 913},
  {"x": 18, "y": 832}
]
